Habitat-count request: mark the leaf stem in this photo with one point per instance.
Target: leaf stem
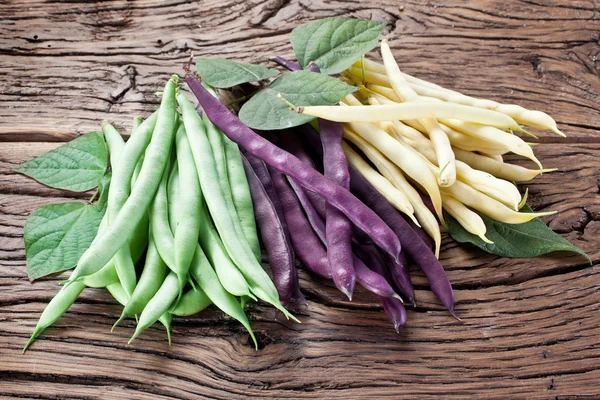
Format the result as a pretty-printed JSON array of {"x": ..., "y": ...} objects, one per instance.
[
  {"x": 96, "y": 193},
  {"x": 290, "y": 105}
]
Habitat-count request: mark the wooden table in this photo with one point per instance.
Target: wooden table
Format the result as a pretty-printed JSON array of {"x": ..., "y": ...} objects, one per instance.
[{"x": 530, "y": 327}]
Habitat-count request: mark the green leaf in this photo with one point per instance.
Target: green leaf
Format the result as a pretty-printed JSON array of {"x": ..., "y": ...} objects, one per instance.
[
  {"x": 222, "y": 73},
  {"x": 56, "y": 235},
  {"x": 267, "y": 112},
  {"x": 334, "y": 43},
  {"x": 76, "y": 166},
  {"x": 530, "y": 239}
]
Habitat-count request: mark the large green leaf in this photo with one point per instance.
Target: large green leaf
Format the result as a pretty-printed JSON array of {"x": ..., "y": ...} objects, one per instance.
[
  {"x": 56, "y": 235},
  {"x": 222, "y": 73},
  {"x": 530, "y": 239},
  {"x": 334, "y": 43},
  {"x": 266, "y": 111},
  {"x": 76, "y": 166}
]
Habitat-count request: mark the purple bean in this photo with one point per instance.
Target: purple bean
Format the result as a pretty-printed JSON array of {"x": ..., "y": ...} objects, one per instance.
[
  {"x": 281, "y": 256},
  {"x": 307, "y": 245},
  {"x": 395, "y": 311},
  {"x": 395, "y": 272},
  {"x": 418, "y": 231},
  {"x": 314, "y": 68},
  {"x": 370, "y": 280},
  {"x": 338, "y": 227},
  {"x": 316, "y": 221},
  {"x": 290, "y": 142},
  {"x": 262, "y": 173},
  {"x": 401, "y": 278},
  {"x": 393, "y": 307},
  {"x": 414, "y": 247},
  {"x": 292, "y": 66},
  {"x": 361, "y": 215}
]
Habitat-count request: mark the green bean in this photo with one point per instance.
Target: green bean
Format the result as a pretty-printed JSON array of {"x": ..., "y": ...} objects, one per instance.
[
  {"x": 190, "y": 197},
  {"x": 137, "y": 121},
  {"x": 192, "y": 302},
  {"x": 106, "y": 276},
  {"x": 159, "y": 222},
  {"x": 217, "y": 144},
  {"x": 119, "y": 190},
  {"x": 97, "y": 255},
  {"x": 208, "y": 281},
  {"x": 240, "y": 192},
  {"x": 122, "y": 261},
  {"x": 158, "y": 305},
  {"x": 230, "y": 277},
  {"x": 172, "y": 196},
  {"x": 117, "y": 291},
  {"x": 153, "y": 275},
  {"x": 173, "y": 206},
  {"x": 238, "y": 248},
  {"x": 56, "y": 308},
  {"x": 215, "y": 138},
  {"x": 114, "y": 142},
  {"x": 235, "y": 195}
]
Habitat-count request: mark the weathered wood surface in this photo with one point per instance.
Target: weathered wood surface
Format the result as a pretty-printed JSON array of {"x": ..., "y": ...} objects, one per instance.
[{"x": 530, "y": 327}]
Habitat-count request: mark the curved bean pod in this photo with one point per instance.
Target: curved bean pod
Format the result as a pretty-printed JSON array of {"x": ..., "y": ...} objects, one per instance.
[
  {"x": 281, "y": 256},
  {"x": 185, "y": 237},
  {"x": 240, "y": 191},
  {"x": 262, "y": 173},
  {"x": 229, "y": 275},
  {"x": 338, "y": 229},
  {"x": 153, "y": 276},
  {"x": 192, "y": 302},
  {"x": 307, "y": 245}
]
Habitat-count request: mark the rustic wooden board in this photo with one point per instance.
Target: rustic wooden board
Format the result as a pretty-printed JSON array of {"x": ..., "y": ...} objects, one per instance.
[{"x": 530, "y": 327}]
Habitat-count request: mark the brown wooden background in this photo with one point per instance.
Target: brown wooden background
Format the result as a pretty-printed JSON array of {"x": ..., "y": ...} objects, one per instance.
[{"x": 531, "y": 327}]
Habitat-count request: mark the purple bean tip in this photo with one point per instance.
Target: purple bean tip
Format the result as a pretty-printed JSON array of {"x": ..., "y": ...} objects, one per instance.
[{"x": 451, "y": 310}]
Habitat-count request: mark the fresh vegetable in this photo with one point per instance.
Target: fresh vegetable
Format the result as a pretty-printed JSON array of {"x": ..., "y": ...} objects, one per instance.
[
  {"x": 274, "y": 237},
  {"x": 387, "y": 153},
  {"x": 338, "y": 229}
]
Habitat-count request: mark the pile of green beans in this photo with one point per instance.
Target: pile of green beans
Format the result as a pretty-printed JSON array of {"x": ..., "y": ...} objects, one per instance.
[{"x": 179, "y": 233}]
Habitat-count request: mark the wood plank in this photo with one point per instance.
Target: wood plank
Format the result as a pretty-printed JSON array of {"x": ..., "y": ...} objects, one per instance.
[
  {"x": 529, "y": 327},
  {"x": 90, "y": 61}
]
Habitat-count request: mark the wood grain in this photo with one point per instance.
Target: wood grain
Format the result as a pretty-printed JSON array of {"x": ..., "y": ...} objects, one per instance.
[{"x": 530, "y": 327}]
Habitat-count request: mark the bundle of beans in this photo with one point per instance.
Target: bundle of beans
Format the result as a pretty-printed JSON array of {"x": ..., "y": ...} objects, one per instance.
[
  {"x": 179, "y": 195},
  {"x": 417, "y": 136},
  {"x": 339, "y": 235}
]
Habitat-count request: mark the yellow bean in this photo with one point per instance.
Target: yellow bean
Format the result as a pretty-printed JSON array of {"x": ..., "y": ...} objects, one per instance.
[
  {"x": 412, "y": 110},
  {"x": 536, "y": 119},
  {"x": 493, "y": 135},
  {"x": 409, "y": 161},
  {"x": 391, "y": 172},
  {"x": 499, "y": 169},
  {"x": 469, "y": 220},
  {"x": 488, "y": 206},
  {"x": 438, "y": 137},
  {"x": 383, "y": 186}
]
